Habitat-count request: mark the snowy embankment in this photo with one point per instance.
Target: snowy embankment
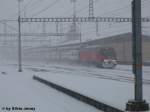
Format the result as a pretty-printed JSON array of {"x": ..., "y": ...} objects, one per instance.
[{"x": 19, "y": 90}]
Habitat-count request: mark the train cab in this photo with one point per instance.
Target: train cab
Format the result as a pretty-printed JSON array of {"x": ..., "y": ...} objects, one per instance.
[
  {"x": 109, "y": 57},
  {"x": 104, "y": 57}
]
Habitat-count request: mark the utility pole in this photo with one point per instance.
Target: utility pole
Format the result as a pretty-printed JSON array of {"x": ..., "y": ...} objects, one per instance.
[
  {"x": 138, "y": 104},
  {"x": 80, "y": 38},
  {"x": 19, "y": 38},
  {"x": 74, "y": 25},
  {"x": 43, "y": 30},
  {"x": 44, "y": 27},
  {"x": 5, "y": 33},
  {"x": 91, "y": 15},
  {"x": 60, "y": 30},
  {"x": 57, "y": 30},
  {"x": 91, "y": 8},
  {"x": 97, "y": 29},
  {"x": 57, "y": 27},
  {"x": 80, "y": 34}
]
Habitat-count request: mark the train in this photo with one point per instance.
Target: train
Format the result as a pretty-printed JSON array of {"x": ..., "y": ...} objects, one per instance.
[{"x": 104, "y": 57}]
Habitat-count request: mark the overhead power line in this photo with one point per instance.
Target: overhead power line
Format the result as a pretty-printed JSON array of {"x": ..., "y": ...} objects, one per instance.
[
  {"x": 28, "y": 5},
  {"x": 9, "y": 26},
  {"x": 122, "y": 8},
  {"x": 83, "y": 19},
  {"x": 46, "y": 8}
]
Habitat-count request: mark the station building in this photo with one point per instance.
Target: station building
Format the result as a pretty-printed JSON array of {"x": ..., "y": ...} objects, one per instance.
[{"x": 122, "y": 44}]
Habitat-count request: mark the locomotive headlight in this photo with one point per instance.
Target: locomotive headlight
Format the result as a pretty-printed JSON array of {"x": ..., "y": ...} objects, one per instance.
[
  {"x": 114, "y": 61},
  {"x": 106, "y": 61},
  {"x": 110, "y": 61}
]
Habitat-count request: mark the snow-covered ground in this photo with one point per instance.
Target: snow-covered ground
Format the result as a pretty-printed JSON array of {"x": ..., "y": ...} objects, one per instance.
[
  {"x": 114, "y": 87},
  {"x": 20, "y": 90}
]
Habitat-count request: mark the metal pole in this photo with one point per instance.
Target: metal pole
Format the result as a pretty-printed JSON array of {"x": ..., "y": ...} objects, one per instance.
[
  {"x": 5, "y": 33},
  {"x": 74, "y": 7},
  {"x": 80, "y": 37},
  {"x": 19, "y": 39},
  {"x": 97, "y": 28},
  {"x": 91, "y": 8},
  {"x": 74, "y": 17},
  {"x": 138, "y": 104},
  {"x": 138, "y": 51},
  {"x": 57, "y": 27}
]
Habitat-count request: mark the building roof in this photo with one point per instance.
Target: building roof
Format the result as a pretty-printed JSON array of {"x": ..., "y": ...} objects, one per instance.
[
  {"x": 103, "y": 41},
  {"x": 117, "y": 38}
]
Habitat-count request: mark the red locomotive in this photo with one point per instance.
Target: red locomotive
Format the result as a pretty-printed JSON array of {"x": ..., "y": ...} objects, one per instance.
[{"x": 100, "y": 56}]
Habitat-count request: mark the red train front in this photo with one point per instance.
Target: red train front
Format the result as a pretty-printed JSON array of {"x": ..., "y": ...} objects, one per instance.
[{"x": 100, "y": 56}]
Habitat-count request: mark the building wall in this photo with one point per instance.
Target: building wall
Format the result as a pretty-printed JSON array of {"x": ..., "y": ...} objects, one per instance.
[
  {"x": 124, "y": 50},
  {"x": 146, "y": 51}
]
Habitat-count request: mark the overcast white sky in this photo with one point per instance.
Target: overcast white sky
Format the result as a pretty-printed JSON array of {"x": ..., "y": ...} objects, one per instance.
[
  {"x": 50, "y": 8},
  {"x": 63, "y": 7}
]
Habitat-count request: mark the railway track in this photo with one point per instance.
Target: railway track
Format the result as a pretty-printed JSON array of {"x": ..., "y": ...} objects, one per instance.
[
  {"x": 102, "y": 75},
  {"x": 87, "y": 73},
  {"x": 146, "y": 72}
]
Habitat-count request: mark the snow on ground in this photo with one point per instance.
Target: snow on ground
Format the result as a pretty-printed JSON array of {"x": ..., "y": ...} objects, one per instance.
[
  {"x": 112, "y": 87},
  {"x": 20, "y": 90},
  {"x": 81, "y": 79}
]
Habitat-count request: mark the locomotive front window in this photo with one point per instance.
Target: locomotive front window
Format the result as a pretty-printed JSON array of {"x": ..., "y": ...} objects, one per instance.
[{"x": 108, "y": 52}]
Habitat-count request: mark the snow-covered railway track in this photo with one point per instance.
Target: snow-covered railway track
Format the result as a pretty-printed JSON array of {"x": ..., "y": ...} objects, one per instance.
[
  {"x": 146, "y": 72},
  {"x": 101, "y": 75},
  {"x": 86, "y": 72}
]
